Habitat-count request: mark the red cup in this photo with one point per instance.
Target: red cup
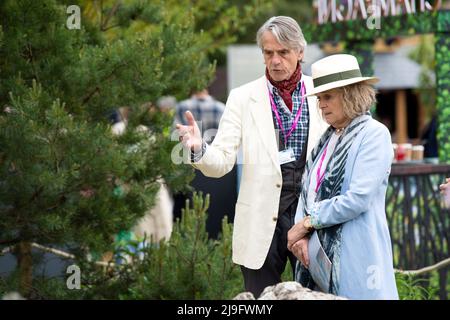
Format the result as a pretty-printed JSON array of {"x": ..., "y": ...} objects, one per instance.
[{"x": 401, "y": 153}]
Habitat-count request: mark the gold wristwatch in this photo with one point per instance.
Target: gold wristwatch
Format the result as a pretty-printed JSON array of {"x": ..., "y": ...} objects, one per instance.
[{"x": 307, "y": 224}]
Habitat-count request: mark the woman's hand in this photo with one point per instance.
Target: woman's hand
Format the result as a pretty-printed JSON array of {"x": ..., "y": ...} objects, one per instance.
[
  {"x": 300, "y": 250},
  {"x": 297, "y": 232}
]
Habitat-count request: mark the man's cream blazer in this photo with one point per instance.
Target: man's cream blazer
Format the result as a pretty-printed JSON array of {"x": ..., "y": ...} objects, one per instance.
[{"x": 247, "y": 123}]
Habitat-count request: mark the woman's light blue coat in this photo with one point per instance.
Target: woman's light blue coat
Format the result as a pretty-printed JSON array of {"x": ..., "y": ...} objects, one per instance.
[{"x": 366, "y": 264}]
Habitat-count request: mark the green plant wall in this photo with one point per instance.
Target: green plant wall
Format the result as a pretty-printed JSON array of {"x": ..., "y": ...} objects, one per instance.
[
  {"x": 357, "y": 30},
  {"x": 442, "y": 47},
  {"x": 358, "y": 39}
]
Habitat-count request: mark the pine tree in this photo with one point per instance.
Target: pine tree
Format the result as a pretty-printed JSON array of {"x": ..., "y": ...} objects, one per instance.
[
  {"x": 64, "y": 178},
  {"x": 60, "y": 165},
  {"x": 188, "y": 266}
]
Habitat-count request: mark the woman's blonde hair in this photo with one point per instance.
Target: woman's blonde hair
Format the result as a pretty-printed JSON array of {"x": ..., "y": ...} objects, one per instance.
[{"x": 357, "y": 99}]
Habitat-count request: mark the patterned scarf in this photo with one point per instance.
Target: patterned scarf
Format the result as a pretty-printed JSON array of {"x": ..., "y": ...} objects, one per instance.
[
  {"x": 331, "y": 186},
  {"x": 287, "y": 87}
]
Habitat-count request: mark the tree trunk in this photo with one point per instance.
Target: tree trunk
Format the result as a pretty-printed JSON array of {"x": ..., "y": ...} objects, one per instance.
[{"x": 25, "y": 268}]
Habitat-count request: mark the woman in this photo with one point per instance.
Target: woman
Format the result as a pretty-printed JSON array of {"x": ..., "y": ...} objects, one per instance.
[{"x": 344, "y": 188}]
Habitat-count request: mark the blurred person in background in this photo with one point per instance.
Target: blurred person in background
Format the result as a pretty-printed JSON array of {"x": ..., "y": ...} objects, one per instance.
[
  {"x": 157, "y": 223},
  {"x": 208, "y": 111}
]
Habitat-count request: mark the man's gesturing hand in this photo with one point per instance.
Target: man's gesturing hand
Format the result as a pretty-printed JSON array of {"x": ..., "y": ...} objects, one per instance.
[{"x": 190, "y": 135}]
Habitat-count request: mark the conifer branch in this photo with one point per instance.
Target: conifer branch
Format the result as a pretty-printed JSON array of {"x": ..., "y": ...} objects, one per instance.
[
  {"x": 61, "y": 200},
  {"x": 101, "y": 14},
  {"x": 31, "y": 57},
  {"x": 36, "y": 194},
  {"x": 97, "y": 88},
  {"x": 179, "y": 254},
  {"x": 110, "y": 15},
  {"x": 111, "y": 27},
  {"x": 89, "y": 96}
]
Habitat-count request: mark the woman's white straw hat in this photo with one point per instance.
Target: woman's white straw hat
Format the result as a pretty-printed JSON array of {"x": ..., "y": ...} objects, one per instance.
[{"x": 336, "y": 71}]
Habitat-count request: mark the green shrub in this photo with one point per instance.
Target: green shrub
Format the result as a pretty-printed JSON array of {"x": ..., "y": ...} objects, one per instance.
[
  {"x": 190, "y": 265},
  {"x": 411, "y": 287}
]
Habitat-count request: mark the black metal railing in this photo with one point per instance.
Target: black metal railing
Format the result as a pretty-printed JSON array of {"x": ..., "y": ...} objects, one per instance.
[{"x": 419, "y": 223}]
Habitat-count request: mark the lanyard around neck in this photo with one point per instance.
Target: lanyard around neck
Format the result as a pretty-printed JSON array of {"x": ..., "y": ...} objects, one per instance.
[
  {"x": 297, "y": 116},
  {"x": 319, "y": 177}
]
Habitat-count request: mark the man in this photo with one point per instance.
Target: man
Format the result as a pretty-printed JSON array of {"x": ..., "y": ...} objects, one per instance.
[{"x": 256, "y": 115}]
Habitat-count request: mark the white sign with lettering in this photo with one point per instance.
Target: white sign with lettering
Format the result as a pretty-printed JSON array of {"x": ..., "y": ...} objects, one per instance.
[{"x": 337, "y": 10}]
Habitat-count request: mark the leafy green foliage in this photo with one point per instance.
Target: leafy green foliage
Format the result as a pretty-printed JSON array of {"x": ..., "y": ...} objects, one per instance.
[
  {"x": 188, "y": 266},
  {"x": 393, "y": 26},
  {"x": 61, "y": 167},
  {"x": 300, "y": 10},
  {"x": 58, "y": 89},
  {"x": 443, "y": 93},
  {"x": 412, "y": 288}
]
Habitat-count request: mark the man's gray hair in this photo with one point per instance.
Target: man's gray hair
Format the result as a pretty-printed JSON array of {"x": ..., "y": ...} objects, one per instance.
[{"x": 286, "y": 30}]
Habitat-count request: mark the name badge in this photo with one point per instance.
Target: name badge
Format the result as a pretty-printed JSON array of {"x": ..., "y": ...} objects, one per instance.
[{"x": 286, "y": 156}]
